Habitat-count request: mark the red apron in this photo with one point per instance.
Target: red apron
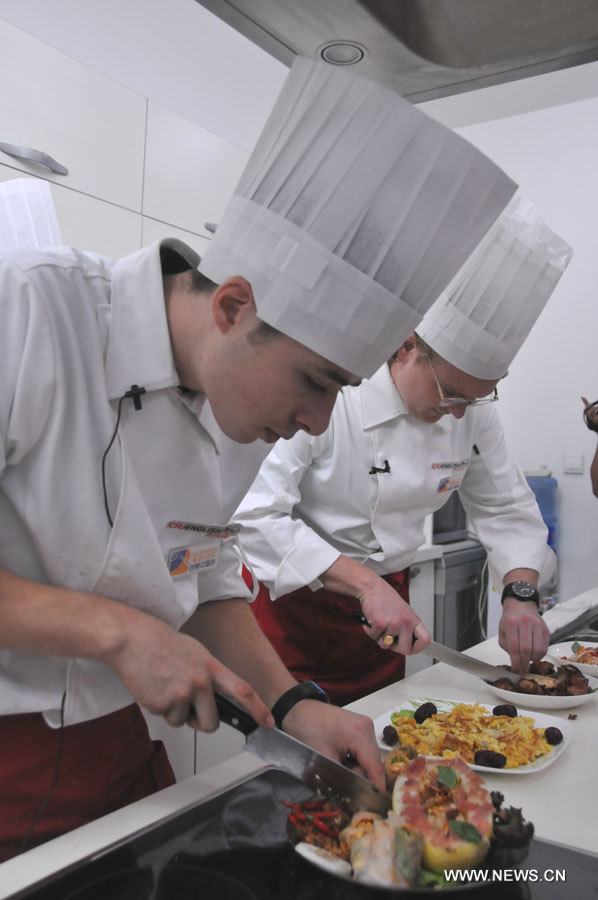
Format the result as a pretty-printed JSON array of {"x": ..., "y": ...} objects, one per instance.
[
  {"x": 105, "y": 763},
  {"x": 318, "y": 639}
]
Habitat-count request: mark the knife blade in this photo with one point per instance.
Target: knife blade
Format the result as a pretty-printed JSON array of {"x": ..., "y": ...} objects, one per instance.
[
  {"x": 316, "y": 770},
  {"x": 458, "y": 660},
  {"x": 469, "y": 663}
]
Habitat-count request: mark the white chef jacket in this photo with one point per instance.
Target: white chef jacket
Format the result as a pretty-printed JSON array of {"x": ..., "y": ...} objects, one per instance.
[
  {"x": 77, "y": 331},
  {"x": 365, "y": 486}
]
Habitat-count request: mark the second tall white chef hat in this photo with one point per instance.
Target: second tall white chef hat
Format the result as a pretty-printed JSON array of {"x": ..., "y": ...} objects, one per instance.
[
  {"x": 354, "y": 212},
  {"x": 479, "y": 323},
  {"x": 27, "y": 215}
]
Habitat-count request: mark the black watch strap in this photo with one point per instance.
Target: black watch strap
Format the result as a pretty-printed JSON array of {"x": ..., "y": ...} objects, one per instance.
[{"x": 305, "y": 690}]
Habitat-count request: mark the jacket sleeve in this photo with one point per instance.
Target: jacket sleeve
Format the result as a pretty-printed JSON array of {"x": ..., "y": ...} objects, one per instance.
[
  {"x": 27, "y": 378},
  {"x": 502, "y": 507},
  {"x": 284, "y": 553}
]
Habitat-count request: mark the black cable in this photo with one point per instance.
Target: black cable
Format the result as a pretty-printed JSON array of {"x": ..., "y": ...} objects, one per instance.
[
  {"x": 134, "y": 393},
  {"x": 106, "y": 452},
  {"x": 32, "y": 827}
]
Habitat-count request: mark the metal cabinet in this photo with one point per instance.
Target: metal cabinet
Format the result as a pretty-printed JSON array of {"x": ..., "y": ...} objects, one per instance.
[
  {"x": 461, "y": 592},
  {"x": 421, "y": 593}
]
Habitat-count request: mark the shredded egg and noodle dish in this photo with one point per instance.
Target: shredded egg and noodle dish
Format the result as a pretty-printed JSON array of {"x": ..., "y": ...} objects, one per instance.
[{"x": 467, "y": 729}]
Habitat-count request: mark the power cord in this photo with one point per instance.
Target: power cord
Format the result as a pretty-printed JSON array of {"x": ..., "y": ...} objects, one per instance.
[
  {"x": 482, "y": 603},
  {"x": 40, "y": 812}
]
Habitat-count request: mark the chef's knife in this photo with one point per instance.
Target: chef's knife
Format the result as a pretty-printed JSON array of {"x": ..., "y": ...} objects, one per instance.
[
  {"x": 459, "y": 660},
  {"x": 292, "y": 756},
  {"x": 469, "y": 663}
]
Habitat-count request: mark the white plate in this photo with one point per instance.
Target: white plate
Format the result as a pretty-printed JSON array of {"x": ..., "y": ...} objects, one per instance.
[
  {"x": 557, "y": 651},
  {"x": 442, "y": 705},
  {"x": 546, "y": 701}
]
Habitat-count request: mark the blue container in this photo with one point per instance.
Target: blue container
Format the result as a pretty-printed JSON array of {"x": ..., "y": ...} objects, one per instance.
[{"x": 545, "y": 488}]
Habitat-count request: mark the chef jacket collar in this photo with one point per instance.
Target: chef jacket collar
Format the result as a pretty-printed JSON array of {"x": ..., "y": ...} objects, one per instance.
[
  {"x": 381, "y": 402},
  {"x": 138, "y": 349}
]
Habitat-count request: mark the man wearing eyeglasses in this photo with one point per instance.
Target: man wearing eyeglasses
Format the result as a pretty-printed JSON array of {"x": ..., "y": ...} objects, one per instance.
[{"x": 332, "y": 523}]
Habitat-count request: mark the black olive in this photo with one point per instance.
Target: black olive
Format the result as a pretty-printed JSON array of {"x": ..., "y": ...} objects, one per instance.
[
  {"x": 424, "y": 712},
  {"x": 490, "y": 758},
  {"x": 553, "y": 735},
  {"x": 390, "y": 736},
  {"x": 505, "y": 709}
]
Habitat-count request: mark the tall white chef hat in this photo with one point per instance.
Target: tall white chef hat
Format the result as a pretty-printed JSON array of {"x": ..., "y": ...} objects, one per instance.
[
  {"x": 354, "y": 212},
  {"x": 27, "y": 215},
  {"x": 479, "y": 323}
]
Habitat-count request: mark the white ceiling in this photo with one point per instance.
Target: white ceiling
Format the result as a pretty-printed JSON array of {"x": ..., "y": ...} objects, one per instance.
[{"x": 181, "y": 56}]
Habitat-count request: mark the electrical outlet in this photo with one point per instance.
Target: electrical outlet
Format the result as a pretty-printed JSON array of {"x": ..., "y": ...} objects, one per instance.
[{"x": 574, "y": 464}]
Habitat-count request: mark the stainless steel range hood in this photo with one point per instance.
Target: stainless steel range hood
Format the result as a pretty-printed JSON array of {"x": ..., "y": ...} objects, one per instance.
[{"x": 424, "y": 48}]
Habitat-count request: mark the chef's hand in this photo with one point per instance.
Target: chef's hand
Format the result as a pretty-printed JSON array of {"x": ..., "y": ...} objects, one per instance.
[
  {"x": 173, "y": 675},
  {"x": 339, "y": 734},
  {"x": 388, "y": 614},
  {"x": 522, "y": 633}
]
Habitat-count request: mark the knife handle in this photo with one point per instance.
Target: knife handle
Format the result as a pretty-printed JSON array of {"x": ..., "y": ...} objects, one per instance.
[
  {"x": 359, "y": 617},
  {"x": 233, "y": 715}
]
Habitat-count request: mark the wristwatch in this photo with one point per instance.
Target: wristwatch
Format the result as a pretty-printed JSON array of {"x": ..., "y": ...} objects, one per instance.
[
  {"x": 521, "y": 590},
  {"x": 305, "y": 690}
]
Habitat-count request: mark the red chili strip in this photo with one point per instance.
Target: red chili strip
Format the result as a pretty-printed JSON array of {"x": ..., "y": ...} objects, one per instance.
[
  {"x": 326, "y": 814},
  {"x": 313, "y": 804},
  {"x": 325, "y": 829}
]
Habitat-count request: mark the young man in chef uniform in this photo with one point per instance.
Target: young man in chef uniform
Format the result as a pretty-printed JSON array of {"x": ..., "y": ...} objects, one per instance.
[
  {"x": 128, "y": 392},
  {"x": 333, "y": 521}
]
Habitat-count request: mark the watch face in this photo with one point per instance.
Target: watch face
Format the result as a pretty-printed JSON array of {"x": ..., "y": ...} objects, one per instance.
[{"x": 523, "y": 589}]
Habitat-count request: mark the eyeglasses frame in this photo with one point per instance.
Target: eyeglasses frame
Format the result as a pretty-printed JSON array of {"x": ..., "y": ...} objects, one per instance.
[{"x": 446, "y": 402}]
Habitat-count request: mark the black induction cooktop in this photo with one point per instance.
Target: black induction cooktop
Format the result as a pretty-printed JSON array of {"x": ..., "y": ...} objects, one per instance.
[{"x": 234, "y": 847}]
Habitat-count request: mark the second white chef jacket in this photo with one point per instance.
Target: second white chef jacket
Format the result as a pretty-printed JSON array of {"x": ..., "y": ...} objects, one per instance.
[{"x": 365, "y": 486}]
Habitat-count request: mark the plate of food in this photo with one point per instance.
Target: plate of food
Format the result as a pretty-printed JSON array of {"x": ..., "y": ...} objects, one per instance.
[
  {"x": 501, "y": 739},
  {"x": 442, "y": 818},
  {"x": 582, "y": 654},
  {"x": 548, "y": 686}
]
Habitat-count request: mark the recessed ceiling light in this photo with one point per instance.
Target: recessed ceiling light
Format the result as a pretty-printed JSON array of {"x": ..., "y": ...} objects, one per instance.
[{"x": 342, "y": 53}]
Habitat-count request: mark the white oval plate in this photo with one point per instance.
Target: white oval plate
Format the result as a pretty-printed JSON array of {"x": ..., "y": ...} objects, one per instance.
[
  {"x": 540, "y": 721},
  {"x": 557, "y": 651},
  {"x": 545, "y": 701}
]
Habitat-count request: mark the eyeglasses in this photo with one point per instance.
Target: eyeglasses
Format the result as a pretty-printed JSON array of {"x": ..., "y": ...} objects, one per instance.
[{"x": 446, "y": 402}]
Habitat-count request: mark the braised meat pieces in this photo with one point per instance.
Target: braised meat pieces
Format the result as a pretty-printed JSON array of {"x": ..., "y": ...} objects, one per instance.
[{"x": 543, "y": 678}]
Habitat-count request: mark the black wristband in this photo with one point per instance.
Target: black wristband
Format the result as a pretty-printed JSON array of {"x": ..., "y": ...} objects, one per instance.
[{"x": 306, "y": 690}]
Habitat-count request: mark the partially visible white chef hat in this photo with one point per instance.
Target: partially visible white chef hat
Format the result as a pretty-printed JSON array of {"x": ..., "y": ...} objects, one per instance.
[
  {"x": 482, "y": 319},
  {"x": 354, "y": 212},
  {"x": 27, "y": 215}
]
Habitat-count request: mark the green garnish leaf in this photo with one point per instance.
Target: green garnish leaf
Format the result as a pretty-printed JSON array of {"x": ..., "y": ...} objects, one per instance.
[
  {"x": 575, "y": 646},
  {"x": 447, "y": 776},
  {"x": 427, "y": 878},
  {"x": 466, "y": 830},
  {"x": 401, "y": 714}
]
